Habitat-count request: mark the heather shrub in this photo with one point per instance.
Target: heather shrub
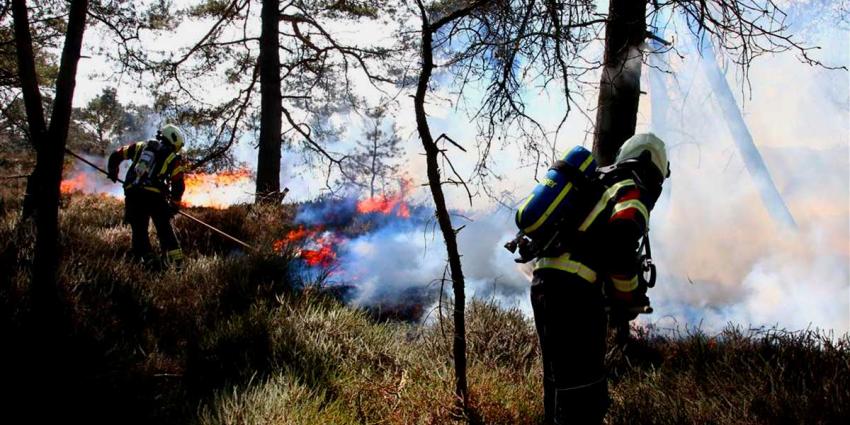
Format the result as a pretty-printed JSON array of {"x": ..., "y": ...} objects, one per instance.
[{"x": 245, "y": 337}]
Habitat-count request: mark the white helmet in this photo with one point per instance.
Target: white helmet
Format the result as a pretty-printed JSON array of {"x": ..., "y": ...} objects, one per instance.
[
  {"x": 646, "y": 142},
  {"x": 172, "y": 134}
]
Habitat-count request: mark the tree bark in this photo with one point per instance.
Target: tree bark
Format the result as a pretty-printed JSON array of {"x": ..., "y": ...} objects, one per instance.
[
  {"x": 268, "y": 160},
  {"x": 43, "y": 185},
  {"x": 31, "y": 93},
  {"x": 619, "y": 89},
  {"x": 373, "y": 168},
  {"x": 442, "y": 212}
]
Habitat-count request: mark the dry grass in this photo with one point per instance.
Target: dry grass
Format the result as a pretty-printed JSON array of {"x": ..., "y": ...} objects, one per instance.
[{"x": 241, "y": 338}]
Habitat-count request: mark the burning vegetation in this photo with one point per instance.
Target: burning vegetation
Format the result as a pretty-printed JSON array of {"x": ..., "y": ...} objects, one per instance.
[
  {"x": 384, "y": 204},
  {"x": 77, "y": 183},
  {"x": 315, "y": 246},
  {"x": 239, "y": 336},
  {"x": 219, "y": 190},
  {"x": 213, "y": 190},
  {"x": 320, "y": 246}
]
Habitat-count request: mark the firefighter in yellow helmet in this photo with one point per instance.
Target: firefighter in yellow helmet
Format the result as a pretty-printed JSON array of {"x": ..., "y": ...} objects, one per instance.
[
  {"x": 597, "y": 262},
  {"x": 153, "y": 188}
]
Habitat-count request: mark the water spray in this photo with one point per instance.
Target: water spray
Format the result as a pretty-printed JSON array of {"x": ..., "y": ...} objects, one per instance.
[{"x": 184, "y": 214}]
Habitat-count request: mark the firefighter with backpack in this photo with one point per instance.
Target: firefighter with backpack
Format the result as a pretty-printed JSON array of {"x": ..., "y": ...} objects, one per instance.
[
  {"x": 583, "y": 226},
  {"x": 153, "y": 188}
]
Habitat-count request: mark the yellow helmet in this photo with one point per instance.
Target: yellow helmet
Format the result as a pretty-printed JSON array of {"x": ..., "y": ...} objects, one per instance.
[
  {"x": 172, "y": 134},
  {"x": 646, "y": 142}
]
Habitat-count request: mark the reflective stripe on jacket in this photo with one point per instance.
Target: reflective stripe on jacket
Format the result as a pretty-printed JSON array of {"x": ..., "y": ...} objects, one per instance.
[
  {"x": 613, "y": 228},
  {"x": 167, "y": 172}
]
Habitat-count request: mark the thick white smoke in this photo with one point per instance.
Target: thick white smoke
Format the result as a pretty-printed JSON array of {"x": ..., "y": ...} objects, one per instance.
[
  {"x": 402, "y": 260},
  {"x": 725, "y": 251},
  {"x": 728, "y": 251}
]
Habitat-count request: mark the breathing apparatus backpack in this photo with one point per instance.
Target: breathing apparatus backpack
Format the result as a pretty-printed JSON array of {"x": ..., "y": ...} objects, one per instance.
[
  {"x": 144, "y": 169},
  {"x": 558, "y": 202}
]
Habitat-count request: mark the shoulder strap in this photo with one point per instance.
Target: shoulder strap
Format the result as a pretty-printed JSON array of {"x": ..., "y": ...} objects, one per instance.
[
  {"x": 140, "y": 146},
  {"x": 167, "y": 162}
]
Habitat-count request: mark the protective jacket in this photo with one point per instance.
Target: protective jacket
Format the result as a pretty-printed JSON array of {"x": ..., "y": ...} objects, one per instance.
[
  {"x": 153, "y": 187},
  {"x": 155, "y": 167},
  {"x": 568, "y": 301},
  {"x": 605, "y": 245}
]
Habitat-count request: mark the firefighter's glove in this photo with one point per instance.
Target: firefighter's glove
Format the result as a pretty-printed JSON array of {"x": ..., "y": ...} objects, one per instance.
[
  {"x": 173, "y": 208},
  {"x": 112, "y": 175},
  {"x": 627, "y": 305},
  {"x": 526, "y": 250}
]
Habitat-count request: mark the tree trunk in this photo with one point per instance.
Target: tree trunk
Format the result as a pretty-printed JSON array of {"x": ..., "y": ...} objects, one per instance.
[
  {"x": 31, "y": 94},
  {"x": 43, "y": 185},
  {"x": 443, "y": 218},
  {"x": 268, "y": 160},
  {"x": 619, "y": 88},
  {"x": 374, "y": 169}
]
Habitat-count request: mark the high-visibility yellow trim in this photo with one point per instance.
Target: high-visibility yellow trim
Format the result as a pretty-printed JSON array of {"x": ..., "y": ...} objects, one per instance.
[
  {"x": 549, "y": 210},
  {"x": 603, "y": 202},
  {"x": 151, "y": 189},
  {"x": 522, "y": 208},
  {"x": 632, "y": 203},
  {"x": 177, "y": 170},
  {"x": 174, "y": 254},
  {"x": 586, "y": 163},
  {"x": 625, "y": 285},
  {"x": 564, "y": 263},
  {"x": 166, "y": 163},
  {"x": 138, "y": 153},
  {"x": 555, "y": 203}
]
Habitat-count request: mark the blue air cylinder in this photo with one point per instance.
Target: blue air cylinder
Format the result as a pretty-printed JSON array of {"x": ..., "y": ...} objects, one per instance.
[{"x": 555, "y": 199}]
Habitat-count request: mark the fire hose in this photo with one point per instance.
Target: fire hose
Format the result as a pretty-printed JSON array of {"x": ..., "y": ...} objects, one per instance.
[{"x": 183, "y": 213}]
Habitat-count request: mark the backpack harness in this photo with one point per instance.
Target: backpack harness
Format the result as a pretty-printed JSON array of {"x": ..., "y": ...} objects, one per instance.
[
  {"x": 559, "y": 203},
  {"x": 149, "y": 168}
]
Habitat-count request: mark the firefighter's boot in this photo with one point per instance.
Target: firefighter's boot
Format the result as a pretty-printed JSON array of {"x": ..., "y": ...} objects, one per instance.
[
  {"x": 584, "y": 404},
  {"x": 174, "y": 259},
  {"x": 150, "y": 262}
]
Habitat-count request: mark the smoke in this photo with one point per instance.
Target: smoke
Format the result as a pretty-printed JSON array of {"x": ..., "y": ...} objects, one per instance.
[
  {"x": 722, "y": 256},
  {"x": 392, "y": 260},
  {"x": 727, "y": 250},
  {"x": 83, "y": 178}
]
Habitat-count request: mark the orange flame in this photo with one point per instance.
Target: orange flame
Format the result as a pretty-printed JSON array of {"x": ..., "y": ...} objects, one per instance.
[
  {"x": 387, "y": 204},
  {"x": 320, "y": 244},
  {"x": 78, "y": 183},
  {"x": 300, "y": 233},
  {"x": 323, "y": 255},
  {"x": 403, "y": 211},
  {"x": 217, "y": 190}
]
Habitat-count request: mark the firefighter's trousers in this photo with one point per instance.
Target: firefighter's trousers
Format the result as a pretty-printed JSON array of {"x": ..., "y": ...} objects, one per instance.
[
  {"x": 141, "y": 207},
  {"x": 569, "y": 313}
]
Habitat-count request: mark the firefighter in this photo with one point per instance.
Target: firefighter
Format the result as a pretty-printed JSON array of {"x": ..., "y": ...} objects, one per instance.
[
  {"x": 594, "y": 265},
  {"x": 153, "y": 188}
]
